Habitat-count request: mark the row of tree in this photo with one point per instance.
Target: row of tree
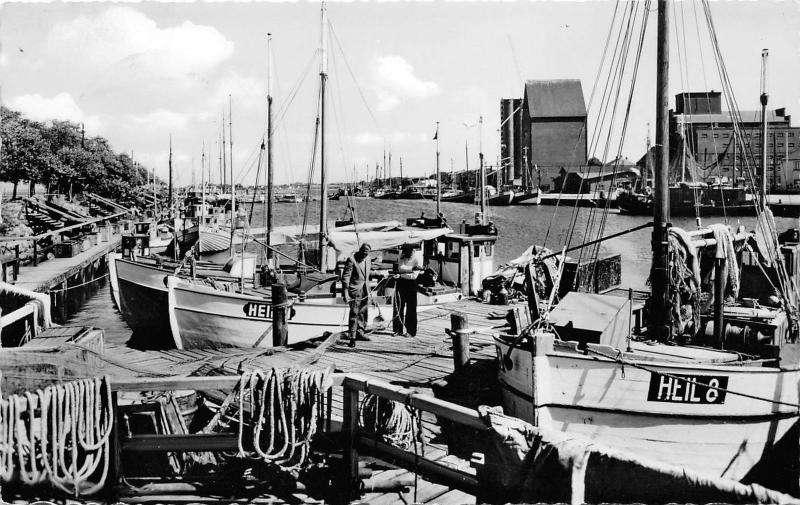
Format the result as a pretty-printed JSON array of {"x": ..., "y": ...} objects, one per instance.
[{"x": 60, "y": 157}]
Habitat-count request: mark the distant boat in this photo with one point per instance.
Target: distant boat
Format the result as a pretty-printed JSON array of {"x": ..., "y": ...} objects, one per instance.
[
  {"x": 526, "y": 197},
  {"x": 289, "y": 198},
  {"x": 503, "y": 197},
  {"x": 459, "y": 196}
]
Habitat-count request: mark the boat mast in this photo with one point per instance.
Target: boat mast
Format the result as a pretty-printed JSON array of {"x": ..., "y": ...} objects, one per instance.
[
  {"x": 224, "y": 167},
  {"x": 438, "y": 175},
  {"x": 482, "y": 171},
  {"x": 764, "y": 99},
  {"x": 155, "y": 195},
  {"x": 233, "y": 184},
  {"x": 401, "y": 174},
  {"x": 270, "y": 181},
  {"x": 323, "y": 204},
  {"x": 202, "y": 187},
  {"x": 660, "y": 317},
  {"x": 169, "y": 195}
]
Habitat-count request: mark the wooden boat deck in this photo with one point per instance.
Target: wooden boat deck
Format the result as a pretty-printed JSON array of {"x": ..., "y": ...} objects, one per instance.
[{"x": 422, "y": 363}]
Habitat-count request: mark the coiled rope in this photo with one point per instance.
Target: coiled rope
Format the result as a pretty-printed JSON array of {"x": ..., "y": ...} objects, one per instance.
[
  {"x": 390, "y": 421},
  {"x": 277, "y": 412},
  {"x": 58, "y": 434}
]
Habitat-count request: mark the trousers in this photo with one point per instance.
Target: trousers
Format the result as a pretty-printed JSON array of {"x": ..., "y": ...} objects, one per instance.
[
  {"x": 405, "y": 307},
  {"x": 357, "y": 322}
]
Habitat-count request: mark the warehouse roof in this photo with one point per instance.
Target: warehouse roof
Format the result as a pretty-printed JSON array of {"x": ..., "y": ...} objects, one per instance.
[{"x": 555, "y": 98}]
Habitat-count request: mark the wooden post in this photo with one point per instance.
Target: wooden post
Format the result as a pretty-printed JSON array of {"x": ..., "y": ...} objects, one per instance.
[
  {"x": 530, "y": 292},
  {"x": 463, "y": 270},
  {"x": 458, "y": 323},
  {"x": 350, "y": 455},
  {"x": 115, "y": 475},
  {"x": 35, "y": 253},
  {"x": 719, "y": 302},
  {"x": 280, "y": 307}
]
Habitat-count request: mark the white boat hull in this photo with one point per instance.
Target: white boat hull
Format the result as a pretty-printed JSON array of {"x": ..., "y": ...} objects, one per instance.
[
  {"x": 650, "y": 413},
  {"x": 204, "y": 317},
  {"x": 201, "y": 316}
]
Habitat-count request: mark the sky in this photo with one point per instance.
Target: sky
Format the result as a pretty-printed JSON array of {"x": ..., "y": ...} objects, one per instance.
[{"x": 139, "y": 73}]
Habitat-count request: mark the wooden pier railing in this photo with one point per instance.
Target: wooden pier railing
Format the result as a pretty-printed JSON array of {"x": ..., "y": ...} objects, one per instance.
[{"x": 353, "y": 385}]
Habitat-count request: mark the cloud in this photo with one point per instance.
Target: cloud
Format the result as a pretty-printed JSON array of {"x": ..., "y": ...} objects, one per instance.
[
  {"x": 62, "y": 107},
  {"x": 394, "y": 82},
  {"x": 244, "y": 91},
  {"x": 122, "y": 37},
  {"x": 368, "y": 139},
  {"x": 164, "y": 120},
  {"x": 394, "y": 138}
]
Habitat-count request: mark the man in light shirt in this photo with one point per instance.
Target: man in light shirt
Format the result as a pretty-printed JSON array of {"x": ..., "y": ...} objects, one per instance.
[{"x": 405, "y": 293}]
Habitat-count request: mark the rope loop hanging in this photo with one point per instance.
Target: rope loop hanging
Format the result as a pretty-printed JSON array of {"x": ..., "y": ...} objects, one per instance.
[
  {"x": 59, "y": 434},
  {"x": 277, "y": 412}
]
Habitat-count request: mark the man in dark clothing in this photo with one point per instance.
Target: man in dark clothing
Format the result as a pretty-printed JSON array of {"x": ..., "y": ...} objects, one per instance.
[
  {"x": 355, "y": 290},
  {"x": 405, "y": 294}
]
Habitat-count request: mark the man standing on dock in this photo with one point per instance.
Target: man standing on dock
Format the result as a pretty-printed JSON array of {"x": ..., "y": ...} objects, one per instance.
[
  {"x": 355, "y": 290},
  {"x": 404, "y": 307}
]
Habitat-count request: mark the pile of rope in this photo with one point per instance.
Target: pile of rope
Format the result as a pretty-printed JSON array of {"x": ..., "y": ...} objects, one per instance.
[
  {"x": 58, "y": 434},
  {"x": 277, "y": 412},
  {"x": 684, "y": 274},
  {"x": 392, "y": 422}
]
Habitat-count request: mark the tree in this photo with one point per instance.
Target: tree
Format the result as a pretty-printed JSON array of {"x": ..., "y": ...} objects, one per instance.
[
  {"x": 60, "y": 156},
  {"x": 26, "y": 153}
]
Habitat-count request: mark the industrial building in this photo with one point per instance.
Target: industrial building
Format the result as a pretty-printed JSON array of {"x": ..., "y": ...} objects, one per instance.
[
  {"x": 544, "y": 132},
  {"x": 709, "y": 131}
]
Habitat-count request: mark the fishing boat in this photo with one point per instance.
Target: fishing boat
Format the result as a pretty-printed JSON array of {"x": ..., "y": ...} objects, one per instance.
[
  {"x": 503, "y": 197},
  {"x": 289, "y": 198},
  {"x": 704, "y": 376},
  {"x": 222, "y": 314}
]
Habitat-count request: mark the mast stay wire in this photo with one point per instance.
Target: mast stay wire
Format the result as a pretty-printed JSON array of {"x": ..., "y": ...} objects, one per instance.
[
  {"x": 613, "y": 105},
  {"x": 765, "y": 222},
  {"x": 683, "y": 71},
  {"x": 612, "y": 83},
  {"x": 623, "y": 135},
  {"x": 591, "y": 100},
  {"x": 604, "y": 109}
]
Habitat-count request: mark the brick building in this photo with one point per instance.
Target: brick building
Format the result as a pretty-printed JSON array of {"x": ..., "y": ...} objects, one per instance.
[
  {"x": 709, "y": 131},
  {"x": 548, "y": 129}
]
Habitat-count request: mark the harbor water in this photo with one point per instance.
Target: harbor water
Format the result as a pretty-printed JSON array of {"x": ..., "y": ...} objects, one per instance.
[{"x": 518, "y": 226}]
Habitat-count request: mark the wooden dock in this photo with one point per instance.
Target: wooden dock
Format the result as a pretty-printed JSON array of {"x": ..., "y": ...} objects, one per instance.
[
  {"x": 423, "y": 363},
  {"x": 56, "y": 272}
]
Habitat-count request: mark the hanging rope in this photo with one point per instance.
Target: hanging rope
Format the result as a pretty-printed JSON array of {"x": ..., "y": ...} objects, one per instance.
[
  {"x": 277, "y": 412},
  {"x": 58, "y": 434}
]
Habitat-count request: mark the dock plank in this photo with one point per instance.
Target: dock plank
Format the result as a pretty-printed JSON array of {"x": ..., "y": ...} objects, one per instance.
[{"x": 48, "y": 274}]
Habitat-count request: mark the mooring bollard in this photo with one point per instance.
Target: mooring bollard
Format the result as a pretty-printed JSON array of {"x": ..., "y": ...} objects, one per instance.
[
  {"x": 458, "y": 326},
  {"x": 280, "y": 307}
]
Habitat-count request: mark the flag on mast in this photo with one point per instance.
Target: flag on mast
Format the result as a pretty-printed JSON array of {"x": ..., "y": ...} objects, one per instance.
[{"x": 436, "y": 135}]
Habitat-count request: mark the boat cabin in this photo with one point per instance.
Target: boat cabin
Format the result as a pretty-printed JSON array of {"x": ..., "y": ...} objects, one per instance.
[{"x": 463, "y": 258}]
